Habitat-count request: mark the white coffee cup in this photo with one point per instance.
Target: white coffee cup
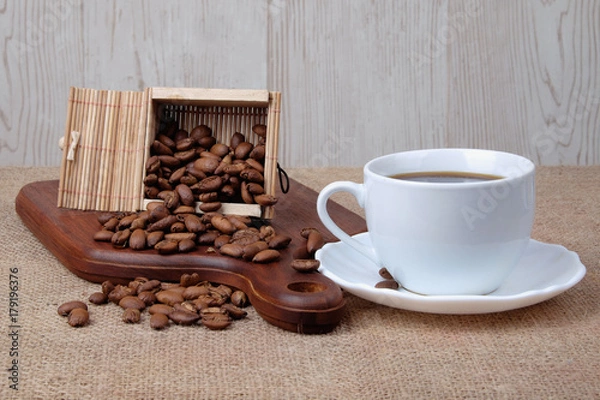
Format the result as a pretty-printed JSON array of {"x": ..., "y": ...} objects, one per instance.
[{"x": 443, "y": 238}]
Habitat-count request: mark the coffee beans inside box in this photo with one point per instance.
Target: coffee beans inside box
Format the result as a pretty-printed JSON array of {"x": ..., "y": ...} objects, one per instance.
[{"x": 189, "y": 167}]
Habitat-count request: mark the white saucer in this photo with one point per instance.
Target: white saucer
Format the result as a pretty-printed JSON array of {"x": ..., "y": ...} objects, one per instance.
[{"x": 544, "y": 271}]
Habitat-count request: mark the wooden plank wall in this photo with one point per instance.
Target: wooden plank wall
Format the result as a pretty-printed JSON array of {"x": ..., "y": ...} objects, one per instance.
[{"x": 359, "y": 78}]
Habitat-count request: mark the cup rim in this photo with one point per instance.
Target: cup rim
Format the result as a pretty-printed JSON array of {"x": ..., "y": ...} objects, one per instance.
[{"x": 523, "y": 168}]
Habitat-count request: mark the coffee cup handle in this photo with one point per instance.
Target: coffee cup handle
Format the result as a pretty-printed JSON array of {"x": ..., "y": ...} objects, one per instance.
[{"x": 358, "y": 191}]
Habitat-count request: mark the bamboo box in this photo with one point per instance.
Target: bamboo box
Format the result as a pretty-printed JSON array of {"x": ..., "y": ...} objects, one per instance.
[{"x": 109, "y": 137}]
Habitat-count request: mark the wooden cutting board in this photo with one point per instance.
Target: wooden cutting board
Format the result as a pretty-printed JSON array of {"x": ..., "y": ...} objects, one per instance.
[{"x": 298, "y": 302}]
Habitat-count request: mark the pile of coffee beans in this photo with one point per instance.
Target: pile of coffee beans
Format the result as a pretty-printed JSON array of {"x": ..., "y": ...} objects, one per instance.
[
  {"x": 189, "y": 302},
  {"x": 172, "y": 229},
  {"x": 185, "y": 167}
]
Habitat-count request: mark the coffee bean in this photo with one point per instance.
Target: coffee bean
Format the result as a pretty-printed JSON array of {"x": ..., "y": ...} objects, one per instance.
[
  {"x": 246, "y": 236},
  {"x": 207, "y": 142},
  {"x": 137, "y": 241},
  {"x": 208, "y": 238},
  {"x": 242, "y": 150},
  {"x": 208, "y": 165},
  {"x": 132, "y": 302},
  {"x": 121, "y": 238},
  {"x": 140, "y": 222},
  {"x": 258, "y": 153},
  {"x": 260, "y": 130},
  {"x": 168, "y": 161},
  {"x": 220, "y": 149},
  {"x": 385, "y": 274},
  {"x": 178, "y": 236},
  {"x": 234, "y": 311},
  {"x": 152, "y": 238},
  {"x": 279, "y": 241},
  {"x": 126, "y": 221},
  {"x": 98, "y": 298},
  {"x": 159, "y": 321},
  {"x": 221, "y": 223},
  {"x": 239, "y": 298},
  {"x": 193, "y": 292},
  {"x": 169, "y": 297},
  {"x": 239, "y": 222},
  {"x": 188, "y": 280},
  {"x": 266, "y": 256},
  {"x": 103, "y": 235},
  {"x": 149, "y": 298},
  {"x": 200, "y": 132},
  {"x": 387, "y": 284},
  {"x": 160, "y": 309},
  {"x": 167, "y": 246},
  {"x": 257, "y": 165},
  {"x": 107, "y": 287},
  {"x": 305, "y": 265},
  {"x": 119, "y": 292},
  {"x": 185, "y": 143},
  {"x": 221, "y": 240},
  {"x": 182, "y": 317},
  {"x": 252, "y": 175},
  {"x": 185, "y": 194},
  {"x": 78, "y": 317},
  {"x": 222, "y": 290},
  {"x": 152, "y": 164},
  {"x": 255, "y": 188},
  {"x": 111, "y": 224},
  {"x": 266, "y": 232},
  {"x": 104, "y": 218},
  {"x": 314, "y": 241},
  {"x": 265, "y": 199},
  {"x": 216, "y": 321},
  {"x": 234, "y": 169},
  {"x": 247, "y": 197},
  {"x": 160, "y": 148},
  {"x": 186, "y": 245},
  {"x": 209, "y": 184},
  {"x": 236, "y": 139},
  {"x": 253, "y": 249},
  {"x": 162, "y": 224},
  {"x": 232, "y": 250},
  {"x": 157, "y": 211},
  {"x": 167, "y": 141},
  {"x": 175, "y": 177},
  {"x": 149, "y": 286},
  {"x": 171, "y": 199},
  {"x": 131, "y": 316}
]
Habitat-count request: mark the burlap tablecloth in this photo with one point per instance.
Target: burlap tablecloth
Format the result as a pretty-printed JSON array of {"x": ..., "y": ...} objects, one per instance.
[{"x": 546, "y": 351}]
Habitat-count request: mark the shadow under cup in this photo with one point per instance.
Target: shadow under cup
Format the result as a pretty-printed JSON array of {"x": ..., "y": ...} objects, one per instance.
[{"x": 449, "y": 238}]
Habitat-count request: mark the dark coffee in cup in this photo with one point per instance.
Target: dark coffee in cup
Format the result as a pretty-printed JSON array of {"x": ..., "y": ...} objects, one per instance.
[{"x": 445, "y": 177}]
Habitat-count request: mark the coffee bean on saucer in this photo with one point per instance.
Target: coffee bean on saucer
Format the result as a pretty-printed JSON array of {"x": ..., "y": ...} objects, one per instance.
[
  {"x": 385, "y": 274},
  {"x": 387, "y": 284}
]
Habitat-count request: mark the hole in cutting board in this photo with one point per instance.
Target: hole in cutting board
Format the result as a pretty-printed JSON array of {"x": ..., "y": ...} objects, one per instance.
[{"x": 307, "y": 287}]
